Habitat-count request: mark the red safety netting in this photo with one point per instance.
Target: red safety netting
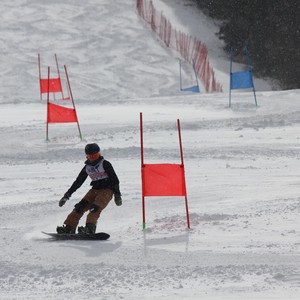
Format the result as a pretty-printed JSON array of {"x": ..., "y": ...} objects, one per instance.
[
  {"x": 163, "y": 180},
  {"x": 54, "y": 86},
  {"x": 189, "y": 48},
  {"x": 60, "y": 114}
]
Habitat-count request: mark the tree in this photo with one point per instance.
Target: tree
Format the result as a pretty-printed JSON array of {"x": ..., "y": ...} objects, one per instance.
[{"x": 270, "y": 29}]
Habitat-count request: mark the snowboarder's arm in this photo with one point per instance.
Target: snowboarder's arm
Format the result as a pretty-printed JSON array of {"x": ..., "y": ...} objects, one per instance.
[
  {"x": 77, "y": 183},
  {"x": 114, "y": 182}
]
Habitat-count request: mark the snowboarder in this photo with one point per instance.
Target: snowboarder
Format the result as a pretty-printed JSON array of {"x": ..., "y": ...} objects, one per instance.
[{"x": 105, "y": 185}]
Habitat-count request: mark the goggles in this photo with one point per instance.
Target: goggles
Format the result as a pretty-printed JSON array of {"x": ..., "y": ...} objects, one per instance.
[{"x": 93, "y": 156}]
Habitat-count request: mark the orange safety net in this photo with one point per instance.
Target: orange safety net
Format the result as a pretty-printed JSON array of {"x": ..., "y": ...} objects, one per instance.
[
  {"x": 60, "y": 114},
  {"x": 163, "y": 180},
  {"x": 54, "y": 86}
]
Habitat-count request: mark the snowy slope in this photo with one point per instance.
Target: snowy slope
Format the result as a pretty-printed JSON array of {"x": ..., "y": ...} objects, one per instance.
[{"x": 242, "y": 168}]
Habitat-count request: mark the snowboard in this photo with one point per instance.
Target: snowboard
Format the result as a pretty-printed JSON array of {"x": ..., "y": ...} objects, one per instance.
[{"x": 100, "y": 236}]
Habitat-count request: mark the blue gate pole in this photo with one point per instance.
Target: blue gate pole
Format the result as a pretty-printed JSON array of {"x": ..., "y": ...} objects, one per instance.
[
  {"x": 196, "y": 75},
  {"x": 180, "y": 74},
  {"x": 230, "y": 77},
  {"x": 250, "y": 70}
]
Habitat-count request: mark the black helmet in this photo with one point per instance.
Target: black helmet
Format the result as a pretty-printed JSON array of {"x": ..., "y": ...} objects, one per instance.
[{"x": 91, "y": 149}]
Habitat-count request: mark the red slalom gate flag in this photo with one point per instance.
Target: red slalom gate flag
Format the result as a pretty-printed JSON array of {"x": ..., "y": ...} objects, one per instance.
[
  {"x": 163, "y": 180},
  {"x": 54, "y": 85},
  {"x": 60, "y": 114}
]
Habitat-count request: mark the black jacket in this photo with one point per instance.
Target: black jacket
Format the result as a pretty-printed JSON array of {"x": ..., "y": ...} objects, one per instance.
[{"x": 112, "y": 182}]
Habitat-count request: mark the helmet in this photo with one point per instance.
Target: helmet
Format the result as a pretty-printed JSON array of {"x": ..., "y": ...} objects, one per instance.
[{"x": 91, "y": 149}]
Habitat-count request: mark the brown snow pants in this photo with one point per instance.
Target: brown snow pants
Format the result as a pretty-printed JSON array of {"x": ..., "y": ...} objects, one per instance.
[{"x": 97, "y": 198}]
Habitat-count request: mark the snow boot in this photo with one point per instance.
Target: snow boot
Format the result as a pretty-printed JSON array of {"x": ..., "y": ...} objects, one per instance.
[
  {"x": 81, "y": 229},
  {"x": 65, "y": 229},
  {"x": 88, "y": 229}
]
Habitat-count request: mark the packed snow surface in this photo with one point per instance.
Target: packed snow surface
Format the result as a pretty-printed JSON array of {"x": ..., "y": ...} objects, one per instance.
[{"x": 241, "y": 163}]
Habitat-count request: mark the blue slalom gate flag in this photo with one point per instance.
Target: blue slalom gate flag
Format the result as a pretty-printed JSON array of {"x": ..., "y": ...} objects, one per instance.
[
  {"x": 241, "y": 79},
  {"x": 193, "y": 89}
]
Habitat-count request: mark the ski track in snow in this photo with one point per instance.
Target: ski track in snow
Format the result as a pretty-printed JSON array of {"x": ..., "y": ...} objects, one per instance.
[{"x": 242, "y": 165}]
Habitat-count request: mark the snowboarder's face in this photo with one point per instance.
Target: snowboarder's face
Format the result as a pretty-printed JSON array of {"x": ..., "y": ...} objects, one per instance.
[{"x": 92, "y": 157}]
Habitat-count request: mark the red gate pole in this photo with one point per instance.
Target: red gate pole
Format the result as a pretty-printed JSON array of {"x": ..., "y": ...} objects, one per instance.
[
  {"x": 58, "y": 73},
  {"x": 47, "y": 125},
  {"x": 68, "y": 90},
  {"x": 73, "y": 101},
  {"x": 182, "y": 164},
  {"x": 40, "y": 76},
  {"x": 142, "y": 166}
]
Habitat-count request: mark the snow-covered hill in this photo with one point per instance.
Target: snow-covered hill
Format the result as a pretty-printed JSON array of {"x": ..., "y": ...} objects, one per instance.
[{"x": 242, "y": 167}]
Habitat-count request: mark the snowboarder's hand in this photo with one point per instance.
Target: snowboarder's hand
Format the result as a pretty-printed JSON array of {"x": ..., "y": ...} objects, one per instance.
[
  {"x": 118, "y": 199},
  {"x": 63, "y": 200}
]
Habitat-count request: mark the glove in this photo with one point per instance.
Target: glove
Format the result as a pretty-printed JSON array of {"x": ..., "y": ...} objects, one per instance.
[
  {"x": 118, "y": 199},
  {"x": 63, "y": 200}
]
